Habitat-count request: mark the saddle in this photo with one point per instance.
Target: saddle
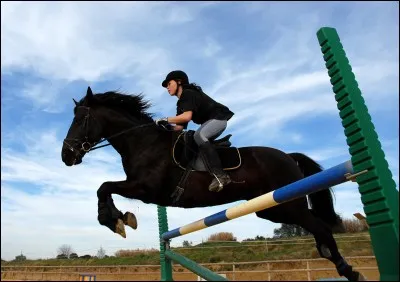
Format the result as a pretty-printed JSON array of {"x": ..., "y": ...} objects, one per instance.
[{"x": 185, "y": 152}]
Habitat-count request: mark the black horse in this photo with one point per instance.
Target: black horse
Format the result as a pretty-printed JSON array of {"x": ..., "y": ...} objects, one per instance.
[{"x": 161, "y": 167}]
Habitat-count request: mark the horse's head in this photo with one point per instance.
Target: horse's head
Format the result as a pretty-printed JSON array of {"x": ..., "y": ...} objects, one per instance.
[
  {"x": 83, "y": 133},
  {"x": 99, "y": 116}
]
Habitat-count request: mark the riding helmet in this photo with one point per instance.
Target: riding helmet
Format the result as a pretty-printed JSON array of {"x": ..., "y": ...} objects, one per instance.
[{"x": 176, "y": 75}]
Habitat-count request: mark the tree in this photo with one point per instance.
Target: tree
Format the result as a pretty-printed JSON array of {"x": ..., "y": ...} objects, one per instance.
[
  {"x": 289, "y": 230},
  {"x": 222, "y": 236},
  {"x": 20, "y": 257},
  {"x": 186, "y": 244},
  {"x": 73, "y": 256},
  {"x": 65, "y": 250},
  {"x": 101, "y": 253}
]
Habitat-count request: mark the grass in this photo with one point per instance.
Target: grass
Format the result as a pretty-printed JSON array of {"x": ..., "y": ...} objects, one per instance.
[{"x": 236, "y": 251}]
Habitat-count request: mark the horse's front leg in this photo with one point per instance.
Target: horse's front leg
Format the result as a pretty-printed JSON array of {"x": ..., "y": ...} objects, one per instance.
[{"x": 108, "y": 214}]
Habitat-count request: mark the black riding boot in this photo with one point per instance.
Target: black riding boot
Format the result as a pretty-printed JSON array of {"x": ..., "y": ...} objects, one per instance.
[{"x": 214, "y": 167}]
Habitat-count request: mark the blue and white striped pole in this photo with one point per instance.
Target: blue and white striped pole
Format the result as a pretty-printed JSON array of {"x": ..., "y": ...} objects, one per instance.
[{"x": 316, "y": 182}]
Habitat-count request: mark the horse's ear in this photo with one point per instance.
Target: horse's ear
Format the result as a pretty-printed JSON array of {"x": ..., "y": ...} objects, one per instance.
[
  {"x": 76, "y": 103},
  {"x": 89, "y": 96},
  {"x": 89, "y": 93}
]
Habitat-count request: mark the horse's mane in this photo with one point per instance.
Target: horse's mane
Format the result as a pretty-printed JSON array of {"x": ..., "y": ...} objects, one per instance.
[{"x": 132, "y": 104}]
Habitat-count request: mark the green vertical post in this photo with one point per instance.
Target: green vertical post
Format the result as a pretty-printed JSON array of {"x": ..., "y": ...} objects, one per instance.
[
  {"x": 377, "y": 187},
  {"x": 195, "y": 267},
  {"x": 166, "y": 265}
]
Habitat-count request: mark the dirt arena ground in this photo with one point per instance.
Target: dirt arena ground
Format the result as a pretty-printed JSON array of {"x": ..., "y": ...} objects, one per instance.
[{"x": 291, "y": 272}]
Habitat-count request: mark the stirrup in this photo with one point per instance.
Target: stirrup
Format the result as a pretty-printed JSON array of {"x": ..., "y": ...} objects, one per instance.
[{"x": 221, "y": 182}]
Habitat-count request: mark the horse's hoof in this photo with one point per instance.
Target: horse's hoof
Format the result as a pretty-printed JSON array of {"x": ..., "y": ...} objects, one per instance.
[
  {"x": 130, "y": 220},
  {"x": 120, "y": 228}
]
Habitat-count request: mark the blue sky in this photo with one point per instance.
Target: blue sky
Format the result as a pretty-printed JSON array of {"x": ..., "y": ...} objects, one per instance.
[{"x": 262, "y": 59}]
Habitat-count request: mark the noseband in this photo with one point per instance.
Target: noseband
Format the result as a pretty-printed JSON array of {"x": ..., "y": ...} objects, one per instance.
[{"x": 86, "y": 146}]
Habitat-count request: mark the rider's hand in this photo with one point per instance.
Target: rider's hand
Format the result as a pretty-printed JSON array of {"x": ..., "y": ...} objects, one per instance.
[{"x": 161, "y": 121}]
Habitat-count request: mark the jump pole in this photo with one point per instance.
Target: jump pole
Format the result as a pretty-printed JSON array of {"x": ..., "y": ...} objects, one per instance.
[{"x": 320, "y": 181}]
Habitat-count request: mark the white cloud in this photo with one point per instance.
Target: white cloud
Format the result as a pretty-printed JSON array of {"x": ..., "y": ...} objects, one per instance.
[
  {"x": 212, "y": 47},
  {"x": 65, "y": 41},
  {"x": 271, "y": 117},
  {"x": 70, "y": 41}
]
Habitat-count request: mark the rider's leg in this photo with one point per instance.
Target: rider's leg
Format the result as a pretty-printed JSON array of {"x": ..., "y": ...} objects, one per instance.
[{"x": 211, "y": 130}]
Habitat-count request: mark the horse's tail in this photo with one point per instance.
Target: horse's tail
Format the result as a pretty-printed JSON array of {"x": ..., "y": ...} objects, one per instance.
[{"x": 321, "y": 202}]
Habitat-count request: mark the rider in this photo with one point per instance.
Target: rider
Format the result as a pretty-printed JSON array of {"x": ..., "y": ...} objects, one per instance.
[{"x": 193, "y": 104}]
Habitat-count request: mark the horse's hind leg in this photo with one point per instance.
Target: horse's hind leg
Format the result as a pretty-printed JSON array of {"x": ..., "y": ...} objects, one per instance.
[
  {"x": 296, "y": 212},
  {"x": 326, "y": 244}
]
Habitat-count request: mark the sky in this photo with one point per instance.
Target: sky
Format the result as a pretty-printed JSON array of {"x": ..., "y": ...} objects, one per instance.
[{"x": 261, "y": 59}]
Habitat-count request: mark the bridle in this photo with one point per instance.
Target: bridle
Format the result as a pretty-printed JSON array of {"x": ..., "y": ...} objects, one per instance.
[{"x": 86, "y": 146}]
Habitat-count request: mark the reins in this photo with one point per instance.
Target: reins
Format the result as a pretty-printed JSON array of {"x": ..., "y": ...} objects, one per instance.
[{"x": 115, "y": 135}]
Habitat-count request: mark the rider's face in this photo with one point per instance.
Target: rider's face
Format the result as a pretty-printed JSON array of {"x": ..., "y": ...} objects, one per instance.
[{"x": 172, "y": 87}]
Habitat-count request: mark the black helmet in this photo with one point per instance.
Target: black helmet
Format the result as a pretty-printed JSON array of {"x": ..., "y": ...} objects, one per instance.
[{"x": 176, "y": 75}]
